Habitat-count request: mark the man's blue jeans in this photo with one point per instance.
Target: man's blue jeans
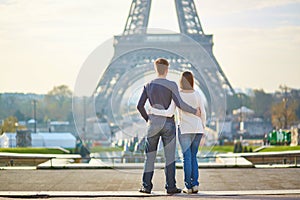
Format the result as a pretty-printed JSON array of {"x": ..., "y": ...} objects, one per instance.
[
  {"x": 166, "y": 130},
  {"x": 189, "y": 145}
]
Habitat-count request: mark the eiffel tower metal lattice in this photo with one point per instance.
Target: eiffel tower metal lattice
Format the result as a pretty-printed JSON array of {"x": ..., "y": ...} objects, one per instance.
[{"x": 136, "y": 47}]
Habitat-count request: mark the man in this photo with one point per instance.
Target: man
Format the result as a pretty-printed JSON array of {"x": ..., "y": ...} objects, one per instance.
[{"x": 160, "y": 92}]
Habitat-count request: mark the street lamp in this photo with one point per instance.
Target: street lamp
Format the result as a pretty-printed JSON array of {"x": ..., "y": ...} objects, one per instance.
[
  {"x": 10, "y": 138},
  {"x": 34, "y": 114},
  {"x": 241, "y": 131},
  {"x": 285, "y": 99},
  {"x": 16, "y": 125}
]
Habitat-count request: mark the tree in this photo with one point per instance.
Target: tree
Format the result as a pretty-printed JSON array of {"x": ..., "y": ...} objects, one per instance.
[
  {"x": 261, "y": 104},
  {"x": 284, "y": 112},
  {"x": 19, "y": 115},
  {"x": 298, "y": 111},
  {"x": 61, "y": 93},
  {"x": 238, "y": 148},
  {"x": 295, "y": 95},
  {"x": 58, "y": 103},
  {"x": 284, "y": 116},
  {"x": 250, "y": 149},
  {"x": 236, "y": 101},
  {"x": 9, "y": 125}
]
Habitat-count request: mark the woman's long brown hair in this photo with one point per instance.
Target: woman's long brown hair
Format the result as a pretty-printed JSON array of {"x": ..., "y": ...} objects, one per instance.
[{"x": 186, "y": 81}]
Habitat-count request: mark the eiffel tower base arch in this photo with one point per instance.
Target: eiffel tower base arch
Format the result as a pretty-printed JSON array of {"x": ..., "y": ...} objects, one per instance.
[{"x": 133, "y": 62}]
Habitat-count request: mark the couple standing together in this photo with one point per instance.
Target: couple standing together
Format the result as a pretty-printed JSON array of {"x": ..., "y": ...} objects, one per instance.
[{"x": 164, "y": 97}]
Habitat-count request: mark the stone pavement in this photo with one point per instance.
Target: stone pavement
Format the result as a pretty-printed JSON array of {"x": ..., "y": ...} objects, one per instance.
[{"x": 225, "y": 183}]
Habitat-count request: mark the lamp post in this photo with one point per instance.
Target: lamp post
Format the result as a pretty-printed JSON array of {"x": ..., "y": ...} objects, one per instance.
[
  {"x": 285, "y": 101},
  {"x": 241, "y": 117},
  {"x": 34, "y": 114},
  {"x": 10, "y": 138}
]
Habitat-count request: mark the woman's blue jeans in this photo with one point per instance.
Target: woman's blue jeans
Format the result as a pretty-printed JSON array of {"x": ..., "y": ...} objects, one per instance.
[{"x": 189, "y": 143}]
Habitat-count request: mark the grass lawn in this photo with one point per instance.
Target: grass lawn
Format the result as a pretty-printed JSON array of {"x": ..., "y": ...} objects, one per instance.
[
  {"x": 32, "y": 150},
  {"x": 220, "y": 149},
  {"x": 223, "y": 149},
  {"x": 105, "y": 149},
  {"x": 229, "y": 148},
  {"x": 280, "y": 148}
]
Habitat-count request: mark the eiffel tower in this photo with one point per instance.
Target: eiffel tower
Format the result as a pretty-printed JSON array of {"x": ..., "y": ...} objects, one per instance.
[{"x": 136, "y": 49}]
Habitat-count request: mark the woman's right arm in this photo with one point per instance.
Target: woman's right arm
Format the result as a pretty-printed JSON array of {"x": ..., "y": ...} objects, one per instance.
[{"x": 166, "y": 113}]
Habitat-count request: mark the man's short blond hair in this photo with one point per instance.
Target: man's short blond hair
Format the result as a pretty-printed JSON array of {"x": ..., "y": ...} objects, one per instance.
[{"x": 161, "y": 65}]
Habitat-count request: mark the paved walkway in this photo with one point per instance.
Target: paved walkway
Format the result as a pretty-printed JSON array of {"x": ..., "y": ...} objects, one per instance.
[{"x": 122, "y": 183}]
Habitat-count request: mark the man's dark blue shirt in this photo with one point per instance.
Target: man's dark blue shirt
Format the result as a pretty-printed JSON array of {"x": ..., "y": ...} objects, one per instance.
[{"x": 160, "y": 92}]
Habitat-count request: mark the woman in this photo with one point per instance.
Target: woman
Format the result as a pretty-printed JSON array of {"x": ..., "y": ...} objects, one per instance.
[{"x": 190, "y": 130}]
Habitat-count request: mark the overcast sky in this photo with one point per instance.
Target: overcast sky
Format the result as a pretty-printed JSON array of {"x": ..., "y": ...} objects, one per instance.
[{"x": 43, "y": 43}]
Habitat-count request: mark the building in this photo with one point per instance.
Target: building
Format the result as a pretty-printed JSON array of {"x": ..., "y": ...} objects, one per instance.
[{"x": 64, "y": 140}]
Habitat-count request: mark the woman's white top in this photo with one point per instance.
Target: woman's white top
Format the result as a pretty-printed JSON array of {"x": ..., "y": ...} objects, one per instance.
[{"x": 188, "y": 122}]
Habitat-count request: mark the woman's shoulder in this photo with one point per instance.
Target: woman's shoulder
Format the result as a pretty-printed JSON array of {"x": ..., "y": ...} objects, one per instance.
[
  {"x": 190, "y": 92},
  {"x": 196, "y": 92},
  {"x": 197, "y": 95}
]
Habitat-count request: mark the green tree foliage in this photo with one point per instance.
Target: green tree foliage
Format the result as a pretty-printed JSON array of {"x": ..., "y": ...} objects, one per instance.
[
  {"x": 2, "y": 111},
  {"x": 284, "y": 111},
  {"x": 55, "y": 105},
  {"x": 250, "y": 150},
  {"x": 18, "y": 105},
  {"x": 283, "y": 116},
  {"x": 295, "y": 95},
  {"x": 58, "y": 103},
  {"x": 232, "y": 103},
  {"x": 238, "y": 148},
  {"x": 19, "y": 115},
  {"x": 261, "y": 104},
  {"x": 298, "y": 111},
  {"x": 60, "y": 94},
  {"x": 9, "y": 125},
  {"x": 236, "y": 101}
]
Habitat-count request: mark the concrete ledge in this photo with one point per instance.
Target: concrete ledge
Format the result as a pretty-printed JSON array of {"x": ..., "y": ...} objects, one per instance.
[
  {"x": 45, "y": 194},
  {"x": 18, "y": 167},
  {"x": 277, "y": 166},
  {"x": 38, "y": 155},
  {"x": 99, "y": 164},
  {"x": 234, "y": 161},
  {"x": 93, "y": 164}
]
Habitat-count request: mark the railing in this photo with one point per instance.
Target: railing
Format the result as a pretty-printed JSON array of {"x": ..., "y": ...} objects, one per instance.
[
  {"x": 159, "y": 159},
  {"x": 217, "y": 160},
  {"x": 290, "y": 159}
]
